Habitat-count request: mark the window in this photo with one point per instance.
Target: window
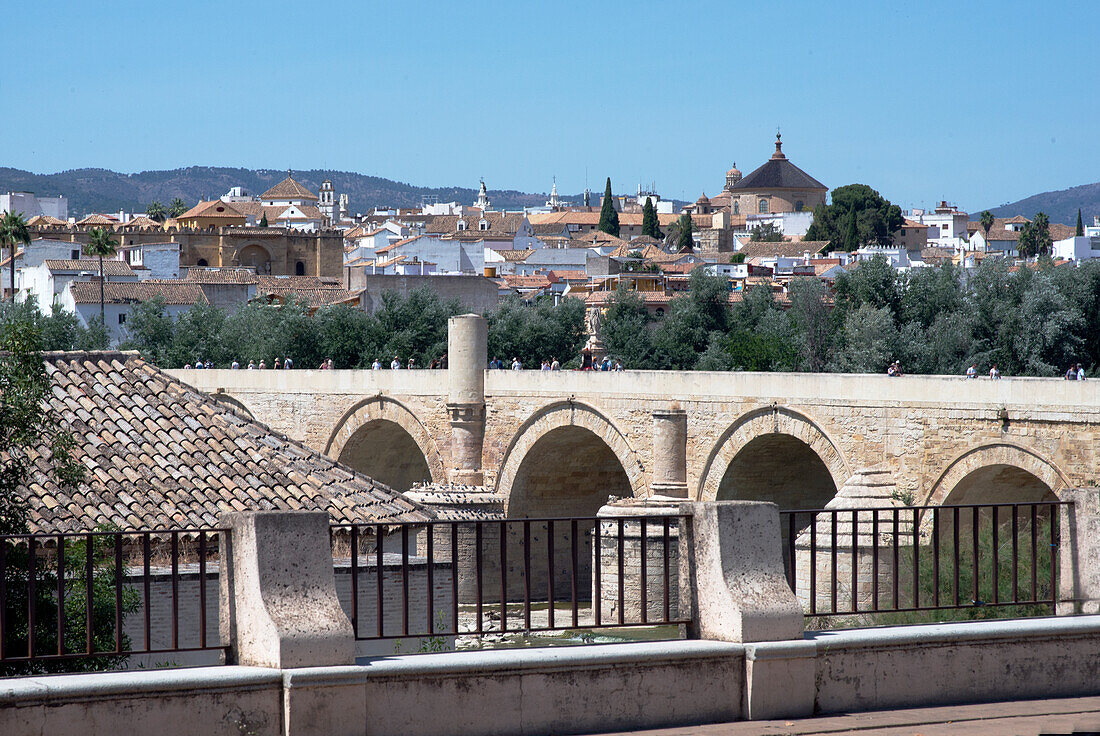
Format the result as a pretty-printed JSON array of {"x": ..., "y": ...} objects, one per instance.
[
  {"x": 299, "y": 269},
  {"x": 202, "y": 262},
  {"x": 737, "y": 208},
  {"x": 122, "y": 318},
  {"x": 763, "y": 207},
  {"x": 483, "y": 225},
  {"x": 799, "y": 206},
  {"x": 944, "y": 226},
  {"x": 660, "y": 312},
  {"x": 461, "y": 225},
  {"x": 75, "y": 254}
]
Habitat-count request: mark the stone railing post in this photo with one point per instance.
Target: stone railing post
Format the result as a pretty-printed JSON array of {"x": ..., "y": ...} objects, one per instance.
[
  {"x": 467, "y": 355},
  {"x": 278, "y": 592},
  {"x": 1079, "y": 552},
  {"x": 735, "y": 587}
]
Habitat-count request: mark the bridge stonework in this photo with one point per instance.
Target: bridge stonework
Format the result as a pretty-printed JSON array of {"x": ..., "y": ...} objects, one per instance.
[{"x": 557, "y": 440}]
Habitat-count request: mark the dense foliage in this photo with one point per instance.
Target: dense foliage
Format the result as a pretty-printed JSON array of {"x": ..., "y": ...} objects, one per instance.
[
  {"x": 857, "y": 216},
  {"x": 609, "y": 216}
]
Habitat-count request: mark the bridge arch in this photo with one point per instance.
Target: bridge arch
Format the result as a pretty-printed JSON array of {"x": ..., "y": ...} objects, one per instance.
[
  {"x": 775, "y": 454},
  {"x": 998, "y": 472},
  {"x": 382, "y": 438},
  {"x": 233, "y": 403},
  {"x": 566, "y": 459}
]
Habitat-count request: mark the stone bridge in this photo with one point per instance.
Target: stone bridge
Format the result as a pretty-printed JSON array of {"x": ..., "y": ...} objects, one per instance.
[{"x": 560, "y": 443}]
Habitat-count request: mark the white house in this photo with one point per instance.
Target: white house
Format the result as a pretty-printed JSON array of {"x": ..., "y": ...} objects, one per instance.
[
  {"x": 46, "y": 282},
  {"x": 82, "y": 298},
  {"x": 1077, "y": 248},
  {"x": 158, "y": 260}
]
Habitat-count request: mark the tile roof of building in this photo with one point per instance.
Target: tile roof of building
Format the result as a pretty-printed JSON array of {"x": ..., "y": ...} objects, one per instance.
[
  {"x": 515, "y": 256},
  {"x": 214, "y": 209},
  {"x": 288, "y": 188},
  {"x": 161, "y": 454},
  {"x": 274, "y": 283},
  {"x": 999, "y": 232},
  {"x": 44, "y": 220},
  {"x": 110, "y": 267},
  {"x": 97, "y": 219},
  {"x": 754, "y": 249},
  {"x": 142, "y": 221},
  {"x": 315, "y": 298},
  {"x": 129, "y": 292},
  {"x": 221, "y": 275},
  {"x": 499, "y": 223},
  {"x": 570, "y": 275},
  {"x": 777, "y": 173}
]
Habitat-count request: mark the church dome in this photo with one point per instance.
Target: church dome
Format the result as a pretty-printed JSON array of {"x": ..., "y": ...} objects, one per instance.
[{"x": 734, "y": 172}]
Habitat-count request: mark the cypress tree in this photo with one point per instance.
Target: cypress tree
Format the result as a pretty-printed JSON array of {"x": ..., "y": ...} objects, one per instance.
[
  {"x": 851, "y": 235},
  {"x": 1080, "y": 225},
  {"x": 649, "y": 220},
  {"x": 263, "y": 220},
  {"x": 609, "y": 218}
]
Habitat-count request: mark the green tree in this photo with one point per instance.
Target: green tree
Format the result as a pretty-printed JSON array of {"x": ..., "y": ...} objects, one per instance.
[
  {"x": 156, "y": 211},
  {"x": 13, "y": 232},
  {"x": 1048, "y": 338},
  {"x": 986, "y": 221},
  {"x": 177, "y": 207},
  {"x": 199, "y": 334},
  {"x": 100, "y": 244},
  {"x": 1034, "y": 239},
  {"x": 767, "y": 233},
  {"x": 737, "y": 258},
  {"x": 866, "y": 341},
  {"x": 650, "y": 222},
  {"x": 626, "y": 329},
  {"x": 809, "y": 317},
  {"x": 263, "y": 220},
  {"x": 873, "y": 282},
  {"x": 538, "y": 331},
  {"x": 1080, "y": 231},
  {"x": 876, "y": 219},
  {"x": 851, "y": 233},
  {"x": 28, "y": 426},
  {"x": 150, "y": 330},
  {"x": 609, "y": 217},
  {"x": 684, "y": 242},
  {"x": 686, "y": 330}
]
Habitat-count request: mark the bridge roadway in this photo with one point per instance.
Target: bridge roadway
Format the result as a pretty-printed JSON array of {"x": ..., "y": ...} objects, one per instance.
[{"x": 561, "y": 442}]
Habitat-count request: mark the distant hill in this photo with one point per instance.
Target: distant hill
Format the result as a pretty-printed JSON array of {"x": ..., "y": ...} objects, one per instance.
[
  {"x": 1060, "y": 206},
  {"x": 101, "y": 190}
]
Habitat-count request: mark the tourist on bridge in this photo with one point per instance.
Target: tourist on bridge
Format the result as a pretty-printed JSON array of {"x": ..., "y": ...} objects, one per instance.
[
  {"x": 234, "y": 366},
  {"x": 288, "y": 363},
  {"x": 277, "y": 365},
  {"x": 1071, "y": 372},
  {"x": 395, "y": 364},
  {"x": 994, "y": 374},
  {"x": 972, "y": 371},
  {"x": 555, "y": 365},
  {"x": 1080, "y": 372},
  {"x": 412, "y": 363},
  {"x": 516, "y": 365},
  {"x": 376, "y": 365},
  {"x": 263, "y": 365},
  {"x": 251, "y": 365}
]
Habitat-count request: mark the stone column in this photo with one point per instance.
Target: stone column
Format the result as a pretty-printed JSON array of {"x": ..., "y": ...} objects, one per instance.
[
  {"x": 1079, "y": 552},
  {"x": 467, "y": 354},
  {"x": 278, "y": 592},
  {"x": 735, "y": 588},
  {"x": 670, "y": 453}
]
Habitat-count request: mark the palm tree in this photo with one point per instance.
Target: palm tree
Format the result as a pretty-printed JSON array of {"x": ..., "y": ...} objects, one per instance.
[
  {"x": 13, "y": 231},
  {"x": 986, "y": 221},
  {"x": 156, "y": 211},
  {"x": 177, "y": 208},
  {"x": 100, "y": 243}
]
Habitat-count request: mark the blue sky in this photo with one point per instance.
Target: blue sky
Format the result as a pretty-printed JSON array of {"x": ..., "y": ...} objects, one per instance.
[{"x": 977, "y": 102}]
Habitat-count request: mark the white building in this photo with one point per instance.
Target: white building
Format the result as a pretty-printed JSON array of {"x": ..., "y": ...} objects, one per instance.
[
  {"x": 158, "y": 260},
  {"x": 29, "y": 205},
  {"x": 47, "y": 281},
  {"x": 791, "y": 224},
  {"x": 82, "y": 298},
  {"x": 1077, "y": 248},
  {"x": 39, "y": 250},
  {"x": 947, "y": 223}
]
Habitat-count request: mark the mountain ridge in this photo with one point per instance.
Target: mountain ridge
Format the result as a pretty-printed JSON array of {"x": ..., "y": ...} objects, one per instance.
[
  {"x": 103, "y": 190},
  {"x": 1060, "y": 205}
]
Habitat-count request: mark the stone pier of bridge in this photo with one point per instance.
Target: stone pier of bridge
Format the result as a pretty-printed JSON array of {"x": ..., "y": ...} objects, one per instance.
[{"x": 549, "y": 443}]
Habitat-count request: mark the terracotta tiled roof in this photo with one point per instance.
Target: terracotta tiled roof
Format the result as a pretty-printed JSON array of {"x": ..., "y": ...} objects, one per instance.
[
  {"x": 97, "y": 219},
  {"x": 318, "y": 297},
  {"x": 288, "y": 188},
  {"x": 570, "y": 275},
  {"x": 214, "y": 209},
  {"x": 121, "y": 292},
  {"x": 500, "y": 223},
  {"x": 159, "y": 453},
  {"x": 515, "y": 256},
  {"x": 141, "y": 221},
  {"x": 110, "y": 267},
  {"x": 44, "y": 220},
  {"x": 221, "y": 276},
  {"x": 281, "y": 283},
  {"x": 784, "y": 249}
]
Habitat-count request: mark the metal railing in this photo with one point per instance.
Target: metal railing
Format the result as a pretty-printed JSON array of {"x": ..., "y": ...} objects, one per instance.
[
  {"x": 922, "y": 558},
  {"x": 105, "y": 595},
  {"x": 508, "y": 576}
]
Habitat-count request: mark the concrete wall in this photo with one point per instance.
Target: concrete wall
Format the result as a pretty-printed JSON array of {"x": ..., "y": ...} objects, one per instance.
[{"x": 475, "y": 293}]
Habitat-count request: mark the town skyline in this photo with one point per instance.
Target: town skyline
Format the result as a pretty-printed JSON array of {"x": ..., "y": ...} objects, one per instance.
[{"x": 861, "y": 94}]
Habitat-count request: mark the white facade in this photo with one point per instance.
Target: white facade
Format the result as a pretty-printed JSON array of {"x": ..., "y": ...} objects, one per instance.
[
  {"x": 1078, "y": 248},
  {"x": 794, "y": 224},
  {"x": 114, "y": 315},
  {"x": 947, "y": 226},
  {"x": 450, "y": 256},
  {"x": 161, "y": 260},
  {"x": 31, "y": 206},
  {"x": 38, "y": 252},
  {"x": 48, "y": 286}
]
